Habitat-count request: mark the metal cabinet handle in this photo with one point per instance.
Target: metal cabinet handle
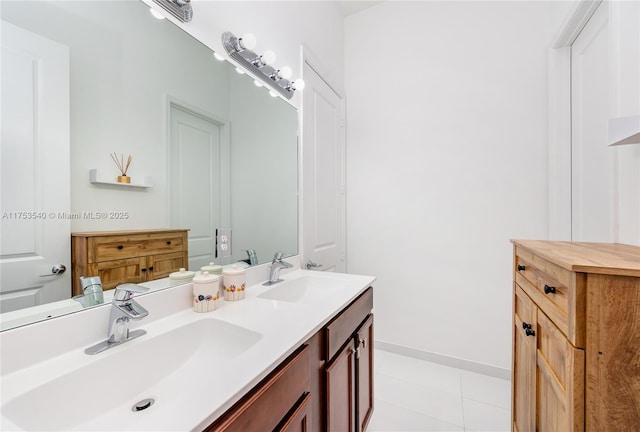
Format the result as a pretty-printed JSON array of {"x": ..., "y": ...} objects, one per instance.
[
  {"x": 120, "y": 247},
  {"x": 549, "y": 289},
  {"x": 168, "y": 242},
  {"x": 56, "y": 270},
  {"x": 521, "y": 267},
  {"x": 527, "y": 329},
  {"x": 151, "y": 268}
]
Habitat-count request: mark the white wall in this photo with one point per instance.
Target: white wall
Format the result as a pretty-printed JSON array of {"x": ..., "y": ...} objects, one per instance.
[
  {"x": 282, "y": 26},
  {"x": 447, "y": 165},
  {"x": 625, "y": 101}
]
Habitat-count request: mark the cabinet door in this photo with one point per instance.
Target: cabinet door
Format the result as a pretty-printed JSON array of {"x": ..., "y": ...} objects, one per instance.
[
  {"x": 524, "y": 362},
  {"x": 113, "y": 273},
  {"x": 300, "y": 419},
  {"x": 160, "y": 266},
  {"x": 341, "y": 390},
  {"x": 365, "y": 373},
  {"x": 560, "y": 373}
]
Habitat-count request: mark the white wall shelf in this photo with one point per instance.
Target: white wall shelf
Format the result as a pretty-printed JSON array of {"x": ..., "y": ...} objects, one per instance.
[
  {"x": 624, "y": 130},
  {"x": 99, "y": 178}
]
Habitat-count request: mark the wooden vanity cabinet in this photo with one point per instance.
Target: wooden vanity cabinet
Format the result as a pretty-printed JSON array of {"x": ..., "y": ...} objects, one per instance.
[
  {"x": 280, "y": 402},
  {"x": 127, "y": 256},
  {"x": 326, "y": 385},
  {"x": 576, "y": 332},
  {"x": 349, "y": 368}
]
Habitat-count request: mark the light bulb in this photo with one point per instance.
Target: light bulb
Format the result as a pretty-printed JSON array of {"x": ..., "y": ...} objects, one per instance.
[
  {"x": 247, "y": 41},
  {"x": 257, "y": 83},
  {"x": 268, "y": 57},
  {"x": 272, "y": 93},
  {"x": 218, "y": 57},
  {"x": 240, "y": 71},
  {"x": 156, "y": 14},
  {"x": 285, "y": 72},
  {"x": 298, "y": 84}
]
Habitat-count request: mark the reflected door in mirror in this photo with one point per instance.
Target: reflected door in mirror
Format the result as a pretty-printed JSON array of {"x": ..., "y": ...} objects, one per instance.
[{"x": 35, "y": 169}]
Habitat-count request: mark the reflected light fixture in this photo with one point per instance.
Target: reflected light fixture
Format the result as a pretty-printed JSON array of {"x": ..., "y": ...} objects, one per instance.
[
  {"x": 261, "y": 66},
  {"x": 156, "y": 14},
  {"x": 218, "y": 57},
  {"x": 181, "y": 9}
]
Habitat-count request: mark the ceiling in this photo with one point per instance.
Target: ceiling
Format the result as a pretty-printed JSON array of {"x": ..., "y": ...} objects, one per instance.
[{"x": 349, "y": 7}]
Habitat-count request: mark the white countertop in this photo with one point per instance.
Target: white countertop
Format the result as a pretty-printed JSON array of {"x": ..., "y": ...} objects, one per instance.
[{"x": 182, "y": 402}]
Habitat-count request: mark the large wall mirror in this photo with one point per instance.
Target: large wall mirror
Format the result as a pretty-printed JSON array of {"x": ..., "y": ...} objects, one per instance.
[{"x": 133, "y": 81}]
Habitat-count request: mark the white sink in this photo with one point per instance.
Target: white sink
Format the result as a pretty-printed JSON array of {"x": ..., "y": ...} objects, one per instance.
[
  {"x": 161, "y": 366},
  {"x": 306, "y": 289}
]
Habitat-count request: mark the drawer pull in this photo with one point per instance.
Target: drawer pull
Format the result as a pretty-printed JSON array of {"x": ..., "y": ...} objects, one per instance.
[
  {"x": 168, "y": 242},
  {"x": 549, "y": 289},
  {"x": 521, "y": 267},
  {"x": 120, "y": 247},
  {"x": 529, "y": 332},
  {"x": 526, "y": 326}
]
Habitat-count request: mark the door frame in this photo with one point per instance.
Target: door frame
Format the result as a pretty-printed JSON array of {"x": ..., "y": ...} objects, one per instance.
[
  {"x": 307, "y": 57},
  {"x": 225, "y": 157},
  {"x": 559, "y": 118}
]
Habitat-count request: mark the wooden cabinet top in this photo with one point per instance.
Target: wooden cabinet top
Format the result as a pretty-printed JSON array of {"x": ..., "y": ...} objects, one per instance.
[
  {"x": 132, "y": 232},
  {"x": 583, "y": 257}
]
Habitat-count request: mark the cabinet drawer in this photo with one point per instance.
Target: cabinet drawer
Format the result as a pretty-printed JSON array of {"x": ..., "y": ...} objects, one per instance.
[
  {"x": 110, "y": 248},
  {"x": 269, "y": 402},
  {"x": 116, "y": 272},
  {"x": 556, "y": 291},
  {"x": 340, "y": 329}
]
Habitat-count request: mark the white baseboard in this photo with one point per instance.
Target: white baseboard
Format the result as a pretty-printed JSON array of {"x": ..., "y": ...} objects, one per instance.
[{"x": 442, "y": 359}]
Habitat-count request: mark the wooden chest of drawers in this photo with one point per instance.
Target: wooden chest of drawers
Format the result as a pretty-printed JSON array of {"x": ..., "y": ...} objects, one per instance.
[
  {"x": 576, "y": 335},
  {"x": 127, "y": 256}
]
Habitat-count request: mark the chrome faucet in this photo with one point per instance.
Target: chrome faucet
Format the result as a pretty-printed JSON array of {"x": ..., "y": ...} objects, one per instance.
[
  {"x": 276, "y": 265},
  {"x": 123, "y": 309}
]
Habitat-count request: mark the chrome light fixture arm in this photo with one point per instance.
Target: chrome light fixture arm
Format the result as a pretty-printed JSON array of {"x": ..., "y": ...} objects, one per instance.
[
  {"x": 255, "y": 64},
  {"x": 181, "y": 9}
]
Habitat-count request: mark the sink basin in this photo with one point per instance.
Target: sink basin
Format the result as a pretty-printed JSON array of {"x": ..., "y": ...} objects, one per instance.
[
  {"x": 159, "y": 366},
  {"x": 307, "y": 289}
]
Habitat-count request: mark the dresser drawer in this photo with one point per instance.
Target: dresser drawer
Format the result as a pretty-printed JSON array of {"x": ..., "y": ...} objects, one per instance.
[
  {"x": 555, "y": 290},
  {"x": 109, "y": 248}
]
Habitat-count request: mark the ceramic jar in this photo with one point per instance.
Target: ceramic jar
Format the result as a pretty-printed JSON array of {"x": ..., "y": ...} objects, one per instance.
[
  {"x": 205, "y": 292},
  {"x": 213, "y": 268},
  {"x": 234, "y": 282},
  {"x": 181, "y": 277}
]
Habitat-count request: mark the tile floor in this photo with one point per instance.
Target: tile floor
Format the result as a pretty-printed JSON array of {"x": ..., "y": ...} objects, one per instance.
[{"x": 416, "y": 395}]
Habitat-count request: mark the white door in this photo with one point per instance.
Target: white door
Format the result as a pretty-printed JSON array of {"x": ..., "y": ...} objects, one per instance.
[
  {"x": 34, "y": 176},
  {"x": 323, "y": 153},
  {"x": 592, "y": 164},
  {"x": 198, "y": 186}
]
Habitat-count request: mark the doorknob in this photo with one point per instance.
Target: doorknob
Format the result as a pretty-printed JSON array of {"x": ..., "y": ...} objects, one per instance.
[
  {"x": 56, "y": 270},
  {"x": 311, "y": 265}
]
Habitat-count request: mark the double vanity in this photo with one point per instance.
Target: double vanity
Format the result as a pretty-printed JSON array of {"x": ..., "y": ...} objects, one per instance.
[{"x": 296, "y": 355}]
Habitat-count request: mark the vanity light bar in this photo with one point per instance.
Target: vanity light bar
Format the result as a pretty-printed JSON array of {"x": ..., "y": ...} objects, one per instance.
[
  {"x": 255, "y": 64},
  {"x": 181, "y": 9}
]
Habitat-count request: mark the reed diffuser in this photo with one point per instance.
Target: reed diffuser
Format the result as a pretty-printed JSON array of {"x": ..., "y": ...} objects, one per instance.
[{"x": 122, "y": 167}]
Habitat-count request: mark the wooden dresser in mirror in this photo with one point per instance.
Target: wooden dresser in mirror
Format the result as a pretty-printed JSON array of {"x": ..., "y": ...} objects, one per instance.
[{"x": 127, "y": 256}]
